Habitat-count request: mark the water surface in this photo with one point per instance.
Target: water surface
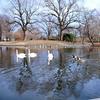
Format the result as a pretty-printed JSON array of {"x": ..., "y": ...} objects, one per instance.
[{"x": 60, "y": 78}]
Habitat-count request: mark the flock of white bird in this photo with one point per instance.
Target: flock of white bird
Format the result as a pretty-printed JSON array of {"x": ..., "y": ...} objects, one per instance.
[
  {"x": 50, "y": 56},
  {"x": 23, "y": 55},
  {"x": 32, "y": 55}
]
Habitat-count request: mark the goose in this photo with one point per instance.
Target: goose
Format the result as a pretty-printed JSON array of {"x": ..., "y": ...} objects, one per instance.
[{"x": 50, "y": 57}]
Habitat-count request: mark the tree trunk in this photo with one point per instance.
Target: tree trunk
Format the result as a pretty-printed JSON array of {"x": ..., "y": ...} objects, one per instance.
[
  {"x": 89, "y": 36},
  {"x": 61, "y": 35},
  {"x": 0, "y": 33},
  {"x": 48, "y": 35},
  {"x": 90, "y": 39},
  {"x": 48, "y": 38},
  {"x": 24, "y": 35},
  {"x": 82, "y": 39}
]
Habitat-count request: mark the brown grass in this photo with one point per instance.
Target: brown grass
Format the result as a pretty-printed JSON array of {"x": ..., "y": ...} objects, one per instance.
[{"x": 47, "y": 43}]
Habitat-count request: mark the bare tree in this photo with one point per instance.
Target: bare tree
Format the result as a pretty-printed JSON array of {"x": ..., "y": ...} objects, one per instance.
[
  {"x": 46, "y": 25},
  {"x": 23, "y": 12},
  {"x": 64, "y": 12},
  {"x": 0, "y": 28},
  {"x": 87, "y": 23},
  {"x": 0, "y": 32},
  {"x": 95, "y": 26},
  {"x": 5, "y": 27}
]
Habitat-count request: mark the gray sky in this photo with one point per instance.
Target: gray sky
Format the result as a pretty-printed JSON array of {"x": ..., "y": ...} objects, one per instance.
[
  {"x": 3, "y": 4},
  {"x": 91, "y": 4}
]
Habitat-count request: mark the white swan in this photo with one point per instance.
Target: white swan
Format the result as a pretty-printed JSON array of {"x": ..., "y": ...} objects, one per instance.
[
  {"x": 32, "y": 55},
  {"x": 50, "y": 57},
  {"x": 20, "y": 55},
  {"x": 23, "y": 55}
]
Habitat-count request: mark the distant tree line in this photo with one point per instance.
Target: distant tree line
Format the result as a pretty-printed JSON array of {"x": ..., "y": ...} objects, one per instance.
[
  {"x": 5, "y": 27},
  {"x": 52, "y": 17}
]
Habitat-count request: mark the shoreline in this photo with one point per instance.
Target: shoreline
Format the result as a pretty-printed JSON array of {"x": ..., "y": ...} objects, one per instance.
[{"x": 43, "y": 44}]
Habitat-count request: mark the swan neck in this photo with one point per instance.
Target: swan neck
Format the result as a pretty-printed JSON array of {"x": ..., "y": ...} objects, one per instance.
[
  {"x": 17, "y": 52},
  {"x": 28, "y": 51},
  {"x": 48, "y": 52}
]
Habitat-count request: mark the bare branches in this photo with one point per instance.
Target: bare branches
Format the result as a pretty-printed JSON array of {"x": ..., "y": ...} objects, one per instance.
[
  {"x": 88, "y": 23},
  {"x": 65, "y": 13},
  {"x": 23, "y": 12}
]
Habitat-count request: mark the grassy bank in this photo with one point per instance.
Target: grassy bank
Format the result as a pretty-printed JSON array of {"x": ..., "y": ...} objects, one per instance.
[{"x": 43, "y": 43}]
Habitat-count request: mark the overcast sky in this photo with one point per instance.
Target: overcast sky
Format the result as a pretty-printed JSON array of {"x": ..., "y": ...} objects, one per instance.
[
  {"x": 91, "y": 4},
  {"x": 3, "y": 4}
]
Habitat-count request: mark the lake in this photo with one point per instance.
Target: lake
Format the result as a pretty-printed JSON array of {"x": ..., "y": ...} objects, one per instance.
[{"x": 60, "y": 77}]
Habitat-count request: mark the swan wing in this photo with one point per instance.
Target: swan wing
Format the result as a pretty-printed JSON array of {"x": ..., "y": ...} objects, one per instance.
[
  {"x": 21, "y": 55},
  {"x": 50, "y": 56},
  {"x": 32, "y": 54}
]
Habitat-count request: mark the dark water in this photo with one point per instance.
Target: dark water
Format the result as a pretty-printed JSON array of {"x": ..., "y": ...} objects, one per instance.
[{"x": 60, "y": 79}]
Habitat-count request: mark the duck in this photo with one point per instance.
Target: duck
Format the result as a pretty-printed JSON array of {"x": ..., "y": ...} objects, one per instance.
[
  {"x": 81, "y": 60},
  {"x": 74, "y": 57},
  {"x": 50, "y": 57},
  {"x": 78, "y": 59}
]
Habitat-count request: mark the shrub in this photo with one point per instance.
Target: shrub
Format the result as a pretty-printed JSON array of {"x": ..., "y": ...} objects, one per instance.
[{"x": 69, "y": 37}]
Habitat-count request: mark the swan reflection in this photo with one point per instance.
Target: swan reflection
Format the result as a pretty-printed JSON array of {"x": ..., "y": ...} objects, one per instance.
[
  {"x": 25, "y": 77},
  {"x": 50, "y": 57}
]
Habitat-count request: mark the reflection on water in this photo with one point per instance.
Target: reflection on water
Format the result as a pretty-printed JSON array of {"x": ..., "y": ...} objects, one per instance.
[
  {"x": 6, "y": 55},
  {"x": 50, "y": 57},
  {"x": 63, "y": 79},
  {"x": 25, "y": 77}
]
